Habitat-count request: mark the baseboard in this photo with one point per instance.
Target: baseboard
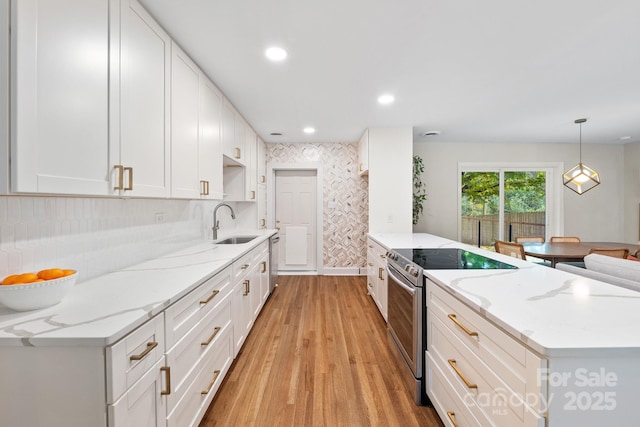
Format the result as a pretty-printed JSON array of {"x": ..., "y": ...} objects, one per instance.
[{"x": 344, "y": 271}]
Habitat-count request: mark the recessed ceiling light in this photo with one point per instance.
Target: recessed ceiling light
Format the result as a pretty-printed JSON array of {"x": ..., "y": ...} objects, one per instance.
[
  {"x": 276, "y": 53},
  {"x": 308, "y": 130},
  {"x": 385, "y": 99},
  {"x": 625, "y": 138}
]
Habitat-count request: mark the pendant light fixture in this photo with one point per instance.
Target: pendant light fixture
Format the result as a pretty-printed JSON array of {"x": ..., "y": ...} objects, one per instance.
[{"x": 581, "y": 178}]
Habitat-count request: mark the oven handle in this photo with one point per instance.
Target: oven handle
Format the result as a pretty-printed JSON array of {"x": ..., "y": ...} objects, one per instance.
[{"x": 400, "y": 281}]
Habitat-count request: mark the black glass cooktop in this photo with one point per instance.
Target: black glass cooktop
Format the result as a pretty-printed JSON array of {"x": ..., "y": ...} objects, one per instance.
[{"x": 450, "y": 259}]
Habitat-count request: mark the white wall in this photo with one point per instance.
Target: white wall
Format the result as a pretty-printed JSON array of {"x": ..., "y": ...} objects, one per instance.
[
  {"x": 597, "y": 215},
  {"x": 632, "y": 192}
]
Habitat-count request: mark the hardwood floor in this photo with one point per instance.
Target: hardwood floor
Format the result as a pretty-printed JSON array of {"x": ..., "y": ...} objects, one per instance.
[{"x": 317, "y": 356}]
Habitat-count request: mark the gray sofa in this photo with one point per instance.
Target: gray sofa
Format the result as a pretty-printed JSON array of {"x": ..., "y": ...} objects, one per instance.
[{"x": 620, "y": 272}]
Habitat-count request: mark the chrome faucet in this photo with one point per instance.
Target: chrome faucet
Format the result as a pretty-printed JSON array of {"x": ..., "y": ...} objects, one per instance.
[{"x": 216, "y": 223}]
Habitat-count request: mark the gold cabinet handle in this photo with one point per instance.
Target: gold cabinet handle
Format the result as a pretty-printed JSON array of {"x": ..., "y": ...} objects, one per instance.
[
  {"x": 206, "y": 192},
  {"x": 244, "y": 266},
  {"x": 167, "y": 377},
  {"x": 264, "y": 267},
  {"x": 277, "y": 225},
  {"x": 120, "y": 184},
  {"x": 208, "y": 341},
  {"x": 204, "y": 188},
  {"x": 210, "y": 297},
  {"x": 380, "y": 270},
  {"x": 461, "y": 326},
  {"x": 213, "y": 381},
  {"x": 263, "y": 179},
  {"x": 452, "y": 417},
  {"x": 247, "y": 287},
  {"x": 150, "y": 346},
  {"x": 130, "y": 171},
  {"x": 238, "y": 153},
  {"x": 383, "y": 256},
  {"x": 263, "y": 223},
  {"x": 468, "y": 383},
  {"x": 361, "y": 167},
  {"x": 253, "y": 195},
  {"x": 370, "y": 264}
]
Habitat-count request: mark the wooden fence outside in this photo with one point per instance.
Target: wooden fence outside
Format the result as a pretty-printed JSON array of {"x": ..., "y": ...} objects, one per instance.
[{"x": 516, "y": 224}]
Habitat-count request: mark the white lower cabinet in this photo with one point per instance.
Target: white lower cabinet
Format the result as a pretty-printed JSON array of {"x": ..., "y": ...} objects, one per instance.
[
  {"x": 377, "y": 275},
  {"x": 476, "y": 371}
]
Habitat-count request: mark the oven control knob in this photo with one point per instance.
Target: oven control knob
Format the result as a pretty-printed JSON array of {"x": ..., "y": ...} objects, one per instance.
[{"x": 414, "y": 272}]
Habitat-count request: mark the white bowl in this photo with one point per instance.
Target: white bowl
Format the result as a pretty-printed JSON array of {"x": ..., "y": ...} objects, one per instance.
[{"x": 32, "y": 296}]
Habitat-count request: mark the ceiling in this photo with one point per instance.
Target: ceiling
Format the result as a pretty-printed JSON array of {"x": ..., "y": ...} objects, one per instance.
[{"x": 513, "y": 71}]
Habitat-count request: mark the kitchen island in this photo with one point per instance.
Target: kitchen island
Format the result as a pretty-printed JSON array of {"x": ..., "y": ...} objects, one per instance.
[
  {"x": 559, "y": 349},
  {"x": 151, "y": 341}
]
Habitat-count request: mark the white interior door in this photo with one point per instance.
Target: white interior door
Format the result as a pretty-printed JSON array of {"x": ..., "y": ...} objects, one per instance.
[{"x": 295, "y": 213}]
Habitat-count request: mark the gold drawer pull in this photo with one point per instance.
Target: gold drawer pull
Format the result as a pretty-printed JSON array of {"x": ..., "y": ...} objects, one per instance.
[
  {"x": 380, "y": 271},
  {"x": 244, "y": 266},
  {"x": 120, "y": 184},
  {"x": 253, "y": 195},
  {"x": 215, "y": 332},
  {"x": 361, "y": 167},
  {"x": 150, "y": 346},
  {"x": 212, "y": 296},
  {"x": 167, "y": 375},
  {"x": 452, "y": 417},
  {"x": 238, "y": 153},
  {"x": 213, "y": 381},
  {"x": 469, "y": 384},
  {"x": 247, "y": 287},
  {"x": 264, "y": 266},
  {"x": 130, "y": 186},
  {"x": 461, "y": 326},
  {"x": 370, "y": 264}
]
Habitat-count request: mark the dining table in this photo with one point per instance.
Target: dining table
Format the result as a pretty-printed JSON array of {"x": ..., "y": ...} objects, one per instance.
[{"x": 569, "y": 251}]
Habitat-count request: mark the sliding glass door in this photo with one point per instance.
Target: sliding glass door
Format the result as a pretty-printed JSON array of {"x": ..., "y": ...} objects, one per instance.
[{"x": 502, "y": 203}]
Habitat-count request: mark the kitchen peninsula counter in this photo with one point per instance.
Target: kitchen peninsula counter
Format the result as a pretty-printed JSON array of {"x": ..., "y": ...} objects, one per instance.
[
  {"x": 553, "y": 312},
  {"x": 102, "y": 310}
]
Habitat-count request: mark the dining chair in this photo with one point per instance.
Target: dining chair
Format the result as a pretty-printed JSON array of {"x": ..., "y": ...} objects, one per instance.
[
  {"x": 565, "y": 239},
  {"x": 512, "y": 249},
  {"x": 533, "y": 239},
  {"x": 614, "y": 252}
]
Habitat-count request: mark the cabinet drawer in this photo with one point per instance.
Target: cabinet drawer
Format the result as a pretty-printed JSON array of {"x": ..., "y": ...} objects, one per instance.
[
  {"x": 242, "y": 266},
  {"x": 131, "y": 357},
  {"x": 480, "y": 387},
  {"x": 515, "y": 364},
  {"x": 189, "y": 310},
  {"x": 451, "y": 407},
  {"x": 204, "y": 381},
  {"x": 199, "y": 343}
]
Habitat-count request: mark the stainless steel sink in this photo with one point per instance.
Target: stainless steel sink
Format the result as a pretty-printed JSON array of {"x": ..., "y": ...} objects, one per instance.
[{"x": 236, "y": 240}]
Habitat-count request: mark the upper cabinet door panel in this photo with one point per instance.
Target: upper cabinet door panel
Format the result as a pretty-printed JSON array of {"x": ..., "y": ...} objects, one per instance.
[
  {"x": 60, "y": 94},
  {"x": 185, "y": 80},
  {"x": 145, "y": 61},
  {"x": 210, "y": 146}
]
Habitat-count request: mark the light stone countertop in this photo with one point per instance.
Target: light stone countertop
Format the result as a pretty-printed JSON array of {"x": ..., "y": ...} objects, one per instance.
[
  {"x": 100, "y": 311},
  {"x": 554, "y": 312}
]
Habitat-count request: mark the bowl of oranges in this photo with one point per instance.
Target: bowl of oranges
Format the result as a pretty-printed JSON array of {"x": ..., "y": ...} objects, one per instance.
[{"x": 31, "y": 291}]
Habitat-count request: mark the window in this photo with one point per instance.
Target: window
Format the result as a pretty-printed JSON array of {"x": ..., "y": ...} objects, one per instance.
[{"x": 507, "y": 201}]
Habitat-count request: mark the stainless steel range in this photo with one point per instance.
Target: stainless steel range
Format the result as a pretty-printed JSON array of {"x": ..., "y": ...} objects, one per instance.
[{"x": 406, "y": 311}]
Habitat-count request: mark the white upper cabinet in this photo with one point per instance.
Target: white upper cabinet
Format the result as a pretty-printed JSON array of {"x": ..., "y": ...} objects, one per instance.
[
  {"x": 142, "y": 113},
  {"x": 196, "y": 156},
  {"x": 60, "y": 96},
  {"x": 363, "y": 153},
  {"x": 90, "y": 90},
  {"x": 210, "y": 145},
  {"x": 233, "y": 133},
  {"x": 250, "y": 149},
  {"x": 185, "y": 87}
]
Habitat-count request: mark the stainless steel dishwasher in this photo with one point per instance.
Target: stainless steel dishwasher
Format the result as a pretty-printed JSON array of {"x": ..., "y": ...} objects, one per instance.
[{"x": 273, "y": 262}]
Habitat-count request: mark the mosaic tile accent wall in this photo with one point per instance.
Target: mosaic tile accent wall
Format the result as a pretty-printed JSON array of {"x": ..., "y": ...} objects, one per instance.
[{"x": 345, "y": 223}]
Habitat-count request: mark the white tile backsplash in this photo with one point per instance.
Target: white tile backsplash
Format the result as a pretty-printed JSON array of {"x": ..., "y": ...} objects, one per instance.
[{"x": 97, "y": 235}]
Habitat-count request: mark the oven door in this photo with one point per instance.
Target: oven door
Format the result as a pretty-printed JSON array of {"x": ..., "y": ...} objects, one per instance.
[{"x": 405, "y": 319}]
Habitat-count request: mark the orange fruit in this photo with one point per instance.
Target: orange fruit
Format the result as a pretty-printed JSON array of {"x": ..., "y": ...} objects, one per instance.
[
  {"x": 68, "y": 272},
  {"x": 11, "y": 279},
  {"x": 27, "y": 278},
  {"x": 50, "y": 274}
]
